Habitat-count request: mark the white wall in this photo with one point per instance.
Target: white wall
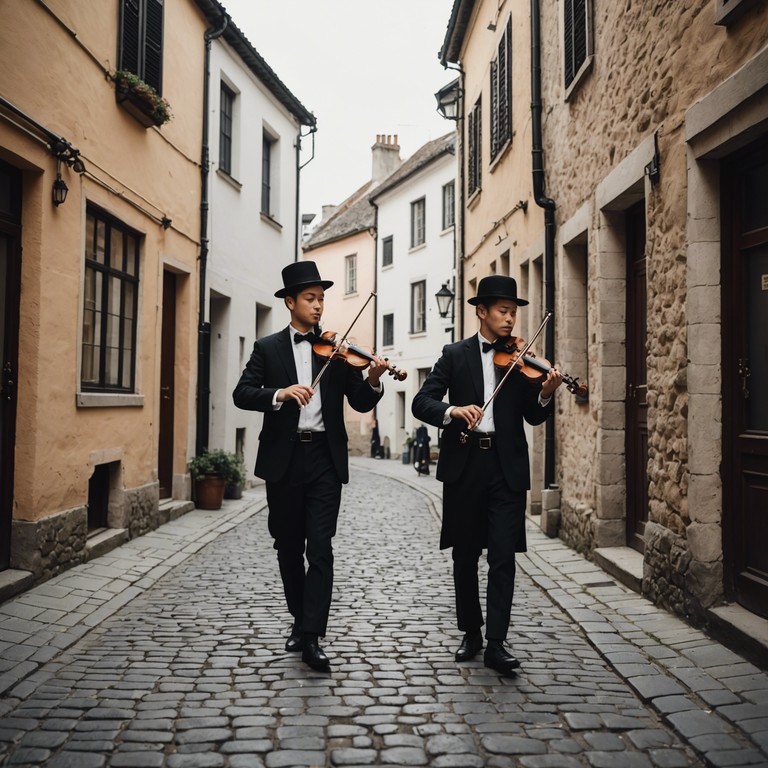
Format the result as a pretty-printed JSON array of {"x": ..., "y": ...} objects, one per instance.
[
  {"x": 433, "y": 262},
  {"x": 247, "y": 249}
]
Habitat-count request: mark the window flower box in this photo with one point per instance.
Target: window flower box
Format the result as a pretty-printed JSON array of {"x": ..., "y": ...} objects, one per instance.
[{"x": 140, "y": 100}]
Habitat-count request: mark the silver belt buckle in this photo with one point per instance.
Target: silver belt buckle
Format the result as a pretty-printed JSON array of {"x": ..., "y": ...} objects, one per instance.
[
  {"x": 305, "y": 437},
  {"x": 484, "y": 443}
]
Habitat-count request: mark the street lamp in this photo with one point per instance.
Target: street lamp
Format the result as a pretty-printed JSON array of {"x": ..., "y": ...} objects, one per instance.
[
  {"x": 444, "y": 300},
  {"x": 59, "y": 191},
  {"x": 449, "y": 100}
]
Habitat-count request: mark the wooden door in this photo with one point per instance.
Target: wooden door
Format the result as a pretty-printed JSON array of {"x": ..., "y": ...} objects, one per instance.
[
  {"x": 10, "y": 291},
  {"x": 636, "y": 409},
  {"x": 745, "y": 377},
  {"x": 167, "y": 386}
]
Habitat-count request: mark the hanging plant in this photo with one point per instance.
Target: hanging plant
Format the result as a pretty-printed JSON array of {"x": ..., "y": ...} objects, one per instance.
[{"x": 131, "y": 88}]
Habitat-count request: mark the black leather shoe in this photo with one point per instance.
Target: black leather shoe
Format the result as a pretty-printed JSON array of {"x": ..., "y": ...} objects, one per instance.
[
  {"x": 470, "y": 646},
  {"x": 312, "y": 654},
  {"x": 293, "y": 643},
  {"x": 498, "y": 658}
]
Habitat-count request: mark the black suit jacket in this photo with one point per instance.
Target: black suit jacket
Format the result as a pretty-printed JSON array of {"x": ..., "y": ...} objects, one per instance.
[
  {"x": 272, "y": 367},
  {"x": 459, "y": 373}
]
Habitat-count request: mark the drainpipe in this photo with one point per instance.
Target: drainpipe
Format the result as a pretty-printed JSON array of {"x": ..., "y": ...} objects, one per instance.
[
  {"x": 204, "y": 327},
  {"x": 299, "y": 166},
  {"x": 548, "y": 205}
]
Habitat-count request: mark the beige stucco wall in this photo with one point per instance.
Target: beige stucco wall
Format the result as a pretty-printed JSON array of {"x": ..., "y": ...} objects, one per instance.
[
  {"x": 136, "y": 174},
  {"x": 493, "y": 223}
]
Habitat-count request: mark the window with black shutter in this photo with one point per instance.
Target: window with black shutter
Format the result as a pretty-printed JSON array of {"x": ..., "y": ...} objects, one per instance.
[
  {"x": 474, "y": 153},
  {"x": 141, "y": 40},
  {"x": 225, "y": 128},
  {"x": 576, "y": 37},
  {"x": 387, "y": 252},
  {"x": 501, "y": 93}
]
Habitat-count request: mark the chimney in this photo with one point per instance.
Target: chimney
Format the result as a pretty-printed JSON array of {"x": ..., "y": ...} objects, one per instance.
[
  {"x": 328, "y": 211},
  {"x": 386, "y": 156}
]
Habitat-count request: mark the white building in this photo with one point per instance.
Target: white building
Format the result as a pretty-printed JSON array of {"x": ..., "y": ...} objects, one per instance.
[
  {"x": 256, "y": 125},
  {"x": 414, "y": 259}
]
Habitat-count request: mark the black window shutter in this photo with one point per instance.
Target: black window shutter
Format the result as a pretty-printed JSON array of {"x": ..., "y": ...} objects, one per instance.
[
  {"x": 575, "y": 42},
  {"x": 153, "y": 45},
  {"x": 505, "y": 121},
  {"x": 129, "y": 36},
  {"x": 495, "y": 108}
]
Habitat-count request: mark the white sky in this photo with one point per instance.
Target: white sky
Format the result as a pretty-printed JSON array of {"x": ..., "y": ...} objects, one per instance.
[{"x": 363, "y": 67}]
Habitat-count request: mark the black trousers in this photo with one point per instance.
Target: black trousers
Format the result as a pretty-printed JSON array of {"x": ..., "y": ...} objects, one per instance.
[
  {"x": 303, "y": 511},
  {"x": 487, "y": 514}
]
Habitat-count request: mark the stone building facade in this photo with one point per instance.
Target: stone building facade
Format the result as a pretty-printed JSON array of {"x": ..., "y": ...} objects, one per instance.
[{"x": 654, "y": 169}]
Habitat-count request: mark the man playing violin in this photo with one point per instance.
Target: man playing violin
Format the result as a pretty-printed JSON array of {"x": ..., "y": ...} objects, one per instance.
[
  {"x": 485, "y": 477},
  {"x": 302, "y": 452}
]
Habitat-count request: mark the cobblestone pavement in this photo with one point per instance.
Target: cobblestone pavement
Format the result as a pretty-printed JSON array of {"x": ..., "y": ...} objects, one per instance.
[{"x": 169, "y": 652}]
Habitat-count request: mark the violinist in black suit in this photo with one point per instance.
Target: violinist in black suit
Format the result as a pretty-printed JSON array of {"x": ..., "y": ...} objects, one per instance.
[
  {"x": 302, "y": 452},
  {"x": 485, "y": 479}
]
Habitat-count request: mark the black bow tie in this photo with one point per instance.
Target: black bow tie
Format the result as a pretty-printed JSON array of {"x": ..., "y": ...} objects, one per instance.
[
  {"x": 299, "y": 337},
  {"x": 498, "y": 345}
]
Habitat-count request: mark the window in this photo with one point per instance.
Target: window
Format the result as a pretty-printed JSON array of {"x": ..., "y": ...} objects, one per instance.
[
  {"x": 576, "y": 43},
  {"x": 111, "y": 303},
  {"x": 141, "y": 40},
  {"x": 417, "y": 222},
  {"x": 449, "y": 203},
  {"x": 386, "y": 252},
  {"x": 388, "y": 330},
  {"x": 501, "y": 93},
  {"x": 474, "y": 152},
  {"x": 418, "y": 307},
  {"x": 226, "y": 107},
  {"x": 350, "y": 272},
  {"x": 267, "y": 148}
]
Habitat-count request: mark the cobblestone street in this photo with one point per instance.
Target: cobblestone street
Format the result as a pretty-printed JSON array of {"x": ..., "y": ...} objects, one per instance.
[{"x": 169, "y": 652}]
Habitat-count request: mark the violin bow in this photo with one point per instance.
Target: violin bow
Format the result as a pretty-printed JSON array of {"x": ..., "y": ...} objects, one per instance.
[
  {"x": 464, "y": 436},
  {"x": 337, "y": 346}
]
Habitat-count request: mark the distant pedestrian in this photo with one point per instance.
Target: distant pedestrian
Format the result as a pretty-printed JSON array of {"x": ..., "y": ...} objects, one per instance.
[
  {"x": 421, "y": 452},
  {"x": 485, "y": 479},
  {"x": 303, "y": 450}
]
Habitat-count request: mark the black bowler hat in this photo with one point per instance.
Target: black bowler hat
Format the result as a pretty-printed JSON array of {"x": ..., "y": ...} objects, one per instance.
[
  {"x": 497, "y": 287},
  {"x": 299, "y": 275}
]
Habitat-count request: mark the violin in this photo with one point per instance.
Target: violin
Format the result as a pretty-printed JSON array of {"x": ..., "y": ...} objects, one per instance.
[
  {"x": 357, "y": 357},
  {"x": 533, "y": 368}
]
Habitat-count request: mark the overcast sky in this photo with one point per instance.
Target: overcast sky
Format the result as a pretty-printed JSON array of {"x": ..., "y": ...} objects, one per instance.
[{"x": 363, "y": 67}]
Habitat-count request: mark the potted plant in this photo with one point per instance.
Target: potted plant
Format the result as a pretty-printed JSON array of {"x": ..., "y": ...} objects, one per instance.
[
  {"x": 210, "y": 471},
  {"x": 236, "y": 478},
  {"x": 140, "y": 99}
]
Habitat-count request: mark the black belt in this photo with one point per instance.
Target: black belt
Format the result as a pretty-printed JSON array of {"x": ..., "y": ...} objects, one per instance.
[
  {"x": 483, "y": 441},
  {"x": 308, "y": 437}
]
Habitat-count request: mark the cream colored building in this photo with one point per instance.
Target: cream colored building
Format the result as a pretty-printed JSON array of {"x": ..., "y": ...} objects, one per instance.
[
  {"x": 657, "y": 175},
  {"x": 100, "y": 309}
]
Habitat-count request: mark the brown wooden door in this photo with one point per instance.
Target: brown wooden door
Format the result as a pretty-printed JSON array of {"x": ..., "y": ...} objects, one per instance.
[
  {"x": 745, "y": 378},
  {"x": 636, "y": 410},
  {"x": 10, "y": 290},
  {"x": 167, "y": 386}
]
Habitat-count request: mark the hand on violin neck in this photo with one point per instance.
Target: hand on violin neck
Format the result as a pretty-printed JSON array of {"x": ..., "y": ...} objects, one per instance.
[
  {"x": 377, "y": 369},
  {"x": 301, "y": 393},
  {"x": 551, "y": 383}
]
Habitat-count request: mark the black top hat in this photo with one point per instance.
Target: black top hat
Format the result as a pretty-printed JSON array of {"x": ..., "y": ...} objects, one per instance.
[
  {"x": 497, "y": 287},
  {"x": 299, "y": 275}
]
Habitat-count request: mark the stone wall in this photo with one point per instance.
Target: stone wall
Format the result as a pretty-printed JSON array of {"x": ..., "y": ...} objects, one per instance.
[
  {"x": 49, "y": 546},
  {"x": 53, "y": 544},
  {"x": 577, "y": 525}
]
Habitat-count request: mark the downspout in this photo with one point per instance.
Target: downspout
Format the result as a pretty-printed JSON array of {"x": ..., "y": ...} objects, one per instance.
[
  {"x": 537, "y": 157},
  {"x": 299, "y": 166},
  {"x": 204, "y": 327}
]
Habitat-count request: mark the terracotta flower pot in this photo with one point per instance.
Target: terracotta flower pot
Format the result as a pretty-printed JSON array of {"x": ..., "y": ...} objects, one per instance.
[{"x": 209, "y": 491}]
